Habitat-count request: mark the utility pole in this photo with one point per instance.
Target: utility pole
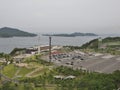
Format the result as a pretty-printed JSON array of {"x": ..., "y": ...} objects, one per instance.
[
  {"x": 50, "y": 49},
  {"x": 39, "y": 45}
]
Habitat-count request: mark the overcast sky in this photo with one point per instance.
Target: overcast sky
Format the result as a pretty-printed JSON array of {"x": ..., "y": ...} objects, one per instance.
[{"x": 97, "y": 16}]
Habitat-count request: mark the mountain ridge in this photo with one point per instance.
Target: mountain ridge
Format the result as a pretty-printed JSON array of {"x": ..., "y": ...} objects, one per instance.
[
  {"x": 72, "y": 34},
  {"x": 13, "y": 32}
]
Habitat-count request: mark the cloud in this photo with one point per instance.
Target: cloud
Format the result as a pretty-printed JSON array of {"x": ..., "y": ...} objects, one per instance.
[{"x": 61, "y": 15}]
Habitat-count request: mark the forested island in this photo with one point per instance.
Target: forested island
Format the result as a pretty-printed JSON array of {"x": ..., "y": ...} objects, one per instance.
[
  {"x": 72, "y": 34},
  {"x": 12, "y": 32}
]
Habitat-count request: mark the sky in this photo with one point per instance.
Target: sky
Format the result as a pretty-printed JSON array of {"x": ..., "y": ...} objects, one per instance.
[{"x": 61, "y": 16}]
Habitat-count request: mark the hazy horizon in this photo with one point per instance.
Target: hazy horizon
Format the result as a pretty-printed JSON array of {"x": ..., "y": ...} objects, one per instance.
[{"x": 61, "y": 16}]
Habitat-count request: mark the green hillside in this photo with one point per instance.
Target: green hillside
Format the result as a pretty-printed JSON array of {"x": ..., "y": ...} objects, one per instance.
[
  {"x": 109, "y": 41},
  {"x": 11, "y": 32}
]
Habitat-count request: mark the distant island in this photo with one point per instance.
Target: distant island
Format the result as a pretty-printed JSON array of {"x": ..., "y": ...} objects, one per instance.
[
  {"x": 72, "y": 34},
  {"x": 12, "y": 32}
]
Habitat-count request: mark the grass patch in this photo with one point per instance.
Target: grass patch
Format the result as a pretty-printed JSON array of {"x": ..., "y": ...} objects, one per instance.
[
  {"x": 113, "y": 43},
  {"x": 45, "y": 88},
  {"x": 23, "y": 71},
  {"x": 9, "y": 70},
  {"x": 39, "y": 72},
  {"x": 1, "y": 63},
  {"x": 35, "y": 64}
]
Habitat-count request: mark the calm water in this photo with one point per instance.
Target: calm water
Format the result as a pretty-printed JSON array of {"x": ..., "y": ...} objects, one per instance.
[{"x": 8, "y": 44}]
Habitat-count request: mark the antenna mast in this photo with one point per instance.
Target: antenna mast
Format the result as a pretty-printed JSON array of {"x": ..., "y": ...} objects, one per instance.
[{"x": 39, "y": 44}]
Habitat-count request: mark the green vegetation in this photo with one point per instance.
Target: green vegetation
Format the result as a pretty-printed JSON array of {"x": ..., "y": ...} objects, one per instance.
[
  {"x": 39, "y": 75},
  {"x": 31, "y": 63},
  {"x": 17, "y": 51},
  {"x": 111, "y": 39},
  {"x": 9, "y": 70},
  {"x": 82, "y": 81},
  {"x": 93, "y": 44},
  {"x": 7, "y": 58},
  {"x": 37, "y": 59},
  {"x": 107, "y": 45},
  {"x": 11, "y": 32},
  {"x": 24, "y": 71},
  {"x": 1, "y": 55}
]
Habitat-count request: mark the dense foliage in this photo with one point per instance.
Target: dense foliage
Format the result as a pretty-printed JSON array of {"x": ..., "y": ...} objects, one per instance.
[
  {"x": 16, "y": 51},
  {"x": 83, "y": 81},
  {"x": 7, "y": 57},
  {"x": 111, "y": 39},
  {"x": 91, "y": 44}
]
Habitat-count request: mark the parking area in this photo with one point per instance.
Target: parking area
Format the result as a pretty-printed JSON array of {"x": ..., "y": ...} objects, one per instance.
[{"x": 97, "y": 62}]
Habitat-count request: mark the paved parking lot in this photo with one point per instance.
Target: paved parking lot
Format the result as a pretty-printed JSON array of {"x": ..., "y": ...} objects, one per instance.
[{"x": 94, "y": 62}]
